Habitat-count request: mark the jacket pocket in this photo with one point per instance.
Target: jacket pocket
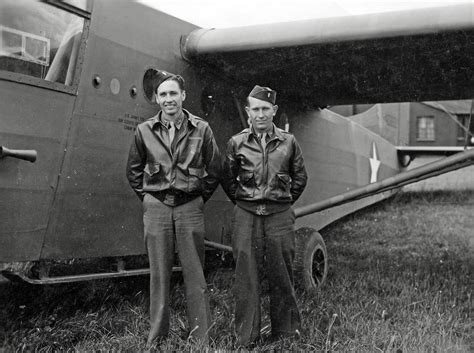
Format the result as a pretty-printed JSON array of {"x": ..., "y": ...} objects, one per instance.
[
  {"x": 246, "y": 181},
  {"x": 151, "y": 172},
  {"x": 197, "y": 172},
  {"x": 194, "y": 179}
]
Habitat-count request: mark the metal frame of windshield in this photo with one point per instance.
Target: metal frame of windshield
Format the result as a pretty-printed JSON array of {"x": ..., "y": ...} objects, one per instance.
[
  {"x": 55, "y": 86},
  {"x": 70, "y": 8}
]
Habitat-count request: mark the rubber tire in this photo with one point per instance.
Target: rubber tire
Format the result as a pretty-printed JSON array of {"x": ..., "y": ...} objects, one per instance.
[{"x": 311, "y": 260}]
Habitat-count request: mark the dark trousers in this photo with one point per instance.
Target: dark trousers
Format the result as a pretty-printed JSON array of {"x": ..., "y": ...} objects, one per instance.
[
  {"x": 264, "y": 244},
  {"x": 166, "y": 227}
]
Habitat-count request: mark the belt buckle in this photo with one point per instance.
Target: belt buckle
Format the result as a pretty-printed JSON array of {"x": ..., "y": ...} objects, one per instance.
[
  {"x": 169, "y": 198},
  {"x": 261, "y": 210}
]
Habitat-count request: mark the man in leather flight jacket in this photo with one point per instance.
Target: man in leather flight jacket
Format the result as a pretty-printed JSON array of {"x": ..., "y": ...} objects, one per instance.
[
  {"x": 174, "y": 166},
  {"x": 264, "y": 175}
]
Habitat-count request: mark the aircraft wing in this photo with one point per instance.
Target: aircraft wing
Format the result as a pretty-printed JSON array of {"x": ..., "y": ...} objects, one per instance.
[{"x": 416, "y": 55}]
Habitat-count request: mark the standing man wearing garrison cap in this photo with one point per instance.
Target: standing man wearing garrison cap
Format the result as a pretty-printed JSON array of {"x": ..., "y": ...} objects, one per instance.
[
  {"x": 173, "y": 167},
  {"x": 264, "y": 175}
]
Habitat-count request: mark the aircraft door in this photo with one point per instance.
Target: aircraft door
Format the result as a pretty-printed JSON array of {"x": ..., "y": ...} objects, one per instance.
[{"x": 39, "y": 56}]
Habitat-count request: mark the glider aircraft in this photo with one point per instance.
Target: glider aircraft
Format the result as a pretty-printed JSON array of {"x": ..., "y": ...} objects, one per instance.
[{"x": 75, "y": 81}]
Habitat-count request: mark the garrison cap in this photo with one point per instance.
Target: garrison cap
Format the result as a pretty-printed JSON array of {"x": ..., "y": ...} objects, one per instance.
[
  {"x": 161, "y": 76},
  {"x": 263, "y": 93}
]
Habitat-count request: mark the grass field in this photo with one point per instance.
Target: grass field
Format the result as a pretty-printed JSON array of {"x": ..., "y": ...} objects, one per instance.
[{"x": 400, "y": 280}]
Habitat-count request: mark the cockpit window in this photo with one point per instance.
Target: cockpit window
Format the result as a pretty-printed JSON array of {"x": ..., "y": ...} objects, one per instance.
[{"x": 39, "y": 40}]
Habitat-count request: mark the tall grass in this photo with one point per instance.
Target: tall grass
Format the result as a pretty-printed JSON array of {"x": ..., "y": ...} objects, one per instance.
[{"x": 400, "y": 280}]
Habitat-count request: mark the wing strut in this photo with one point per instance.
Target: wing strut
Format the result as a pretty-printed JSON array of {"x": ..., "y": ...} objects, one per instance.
[{"x": 457, "y": 161}]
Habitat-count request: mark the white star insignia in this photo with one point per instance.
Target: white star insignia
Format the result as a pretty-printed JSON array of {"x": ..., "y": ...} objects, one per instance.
[{"x": 374, "y": 164}]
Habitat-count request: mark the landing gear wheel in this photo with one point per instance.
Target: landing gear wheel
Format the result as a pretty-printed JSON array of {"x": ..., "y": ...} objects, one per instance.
[{"x": 311, "y": 260}]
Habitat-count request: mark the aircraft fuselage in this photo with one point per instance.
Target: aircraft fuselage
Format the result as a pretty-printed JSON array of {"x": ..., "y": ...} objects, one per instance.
[{"x": 75, "y": 201}]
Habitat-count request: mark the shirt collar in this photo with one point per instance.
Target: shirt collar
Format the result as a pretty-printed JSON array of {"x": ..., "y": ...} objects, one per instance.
[
  {"x": 274, "y": 133},
  {"x": 177, "y": 123},
  {"x": 187, "y": 116},
  {"x": 270, "y": 133},
  {"x": 158, "y": 119}
]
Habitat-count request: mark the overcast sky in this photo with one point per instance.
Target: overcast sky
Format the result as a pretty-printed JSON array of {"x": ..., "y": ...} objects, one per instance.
[{"x": 231, "y": 13}]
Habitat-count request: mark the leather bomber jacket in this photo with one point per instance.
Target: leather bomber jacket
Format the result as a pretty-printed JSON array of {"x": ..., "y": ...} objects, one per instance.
[
  {"x": 249, "y": 174},
  {"x": 192, "y": 168}
]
